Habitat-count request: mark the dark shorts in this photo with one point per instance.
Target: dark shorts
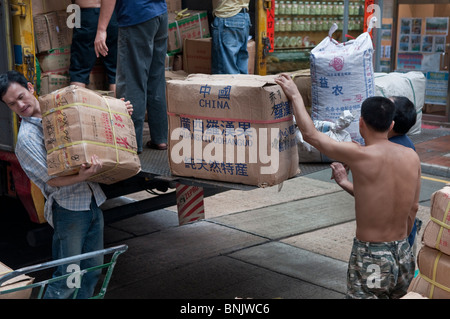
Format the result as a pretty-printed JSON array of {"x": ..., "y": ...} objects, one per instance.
[
  {"x": 82, "y": 52},
  {"x": 380, "y": 270}
]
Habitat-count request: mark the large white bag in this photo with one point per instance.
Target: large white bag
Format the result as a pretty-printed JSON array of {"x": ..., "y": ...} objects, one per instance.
[
  {"x": 410, "y": 85},
  {"x": 341, "y": 79}
]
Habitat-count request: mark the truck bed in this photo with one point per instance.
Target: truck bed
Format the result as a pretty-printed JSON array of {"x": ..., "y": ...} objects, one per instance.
[{"x": 154, "y": 164}]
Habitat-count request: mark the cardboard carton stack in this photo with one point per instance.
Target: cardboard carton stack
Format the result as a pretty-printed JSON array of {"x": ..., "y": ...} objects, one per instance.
[
  {"x": 52, "y": 38},
  {"x": 234, "y": 128},
  {"x": 433, "y": 259},
  {"x": 79, "y": 123}
]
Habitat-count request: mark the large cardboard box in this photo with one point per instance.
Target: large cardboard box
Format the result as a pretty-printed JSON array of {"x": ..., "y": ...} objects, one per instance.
[
  {"x": 233, "y": 128},
  {"x": 194, "y": 26},
  {"x": 51, "y": 31},
  {"x": 433, "y": 280},
  {"x": 437, "y": 232},
  {"x": 13, "y": 283},
  {"x": 79, "y": 123},
  {"x": 197, "y": 55},
  {"x": 44, "y": 6}
]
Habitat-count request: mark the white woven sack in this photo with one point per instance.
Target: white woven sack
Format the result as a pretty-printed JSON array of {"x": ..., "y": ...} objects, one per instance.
[
  {"x": 410, "y": 85},
  {"x": 341, "y": 79}
]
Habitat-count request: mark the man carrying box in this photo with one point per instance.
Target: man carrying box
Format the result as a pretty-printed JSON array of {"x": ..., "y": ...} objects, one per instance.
[
  {"x": 72, "y": 203},
  {"x": 386, "y": 179}
]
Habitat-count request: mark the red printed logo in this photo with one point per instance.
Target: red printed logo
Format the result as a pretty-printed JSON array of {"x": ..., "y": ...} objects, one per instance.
[{"x": 337, "y": 63}]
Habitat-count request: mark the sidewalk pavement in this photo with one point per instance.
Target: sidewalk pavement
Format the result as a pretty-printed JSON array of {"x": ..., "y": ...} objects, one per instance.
[
  {"x": 433, "y": 147},
  {"x": 292, "y": 243}
]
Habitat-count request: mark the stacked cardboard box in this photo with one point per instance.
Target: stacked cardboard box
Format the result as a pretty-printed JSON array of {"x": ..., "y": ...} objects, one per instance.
[
  {"x": 52, "y": 40},
  {"x": 234, "y": 128},
  {"x": 193, "y": 26},
  {"x": 197, "y": 55},
  {"x": 54, "y": 66},
  {"x": 44, "y": 6},
  {"x": 79, "y": 123},
  {"x": 51, "y": 31},
  {"x": 433, "y": 259},
  {"x": 16, "y": 282}
]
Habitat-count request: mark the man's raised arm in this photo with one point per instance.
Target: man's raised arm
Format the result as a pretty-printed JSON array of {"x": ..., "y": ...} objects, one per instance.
[{"x": 340, "y": 151}]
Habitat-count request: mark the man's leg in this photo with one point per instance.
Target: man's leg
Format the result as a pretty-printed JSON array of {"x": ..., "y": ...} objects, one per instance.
[{"x": 156, "y": 87}]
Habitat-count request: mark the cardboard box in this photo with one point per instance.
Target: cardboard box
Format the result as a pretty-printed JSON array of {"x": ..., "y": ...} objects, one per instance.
[
  {"x": 79, "y": 123},
  {"x": 233, "y": 128},
  {"x": 45, "y": 6},
  {"x": 434, "y": 267},
  {"x": 173, "y": 5},
  {"x": 17, "y": 282},
  {"x": 175, "y": 75},
  {"x": 51, "y": 31},
  {"x": 194, "y": 26},
  {"x": 197, "y": 55},
  {"x": 437, "y": 232},
  {"x": 51, "y": 82},
  {"x": 97, "y": 78},
  {"x": 55, "y": 61},
  {"x": 302, "y": 79}
]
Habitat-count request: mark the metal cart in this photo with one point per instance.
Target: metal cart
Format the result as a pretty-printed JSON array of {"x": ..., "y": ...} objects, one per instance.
[{"x": 116, "y": 251}]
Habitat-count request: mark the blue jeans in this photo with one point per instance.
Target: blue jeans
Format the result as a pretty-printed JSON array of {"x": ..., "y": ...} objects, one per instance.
[
  {"x": 229, "y": 53},
  {"x": 140, "y": 77},
  {"x": 76, "y": 232}
]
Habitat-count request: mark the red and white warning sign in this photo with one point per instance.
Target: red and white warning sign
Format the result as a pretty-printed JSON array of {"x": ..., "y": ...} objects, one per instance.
[{"x": 189, "y": 203}]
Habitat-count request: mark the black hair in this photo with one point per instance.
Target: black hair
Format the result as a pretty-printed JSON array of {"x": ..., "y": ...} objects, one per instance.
[
  {"x": 405, "y": 114},
  {"x": 378, "y": 113},
  {"x": 6, "y": 79}
]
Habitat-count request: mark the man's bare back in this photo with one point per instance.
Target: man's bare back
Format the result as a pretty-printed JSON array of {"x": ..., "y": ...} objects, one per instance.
[
  {"x": 88, "y": 3},
  {"x": 386, "y": 181}
]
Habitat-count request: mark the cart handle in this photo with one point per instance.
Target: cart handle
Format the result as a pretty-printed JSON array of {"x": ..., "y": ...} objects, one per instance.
[{"x": 21, "y": 271}]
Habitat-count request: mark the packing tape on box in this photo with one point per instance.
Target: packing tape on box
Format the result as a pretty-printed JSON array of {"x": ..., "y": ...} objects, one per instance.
[
  {"x": 181, "y": 15},
  {"x": 442, "y": 224},
  {"x": 114, "y": 146},
  {"x": 433, "y": 281}
]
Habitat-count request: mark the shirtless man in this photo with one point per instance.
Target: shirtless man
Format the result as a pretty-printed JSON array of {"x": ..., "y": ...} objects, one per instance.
[
  {"x": 386, "y": 179},
  {"x": 83, "y": 57}
]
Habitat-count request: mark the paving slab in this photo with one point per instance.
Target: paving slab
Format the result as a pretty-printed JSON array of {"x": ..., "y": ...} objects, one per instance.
[
  {"x": 295, "y": 217},
  {"x": 234, "y": 201},
  {"x": 221, "y": 277},
  {"x": 172, "y": 248},
  {"x": 298, "y": 263},
  {"x": 336, "y": 241}
]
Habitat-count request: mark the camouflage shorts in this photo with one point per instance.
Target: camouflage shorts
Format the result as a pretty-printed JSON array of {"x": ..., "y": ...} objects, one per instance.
[{"x": 380, "y": 270}]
